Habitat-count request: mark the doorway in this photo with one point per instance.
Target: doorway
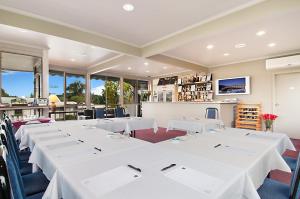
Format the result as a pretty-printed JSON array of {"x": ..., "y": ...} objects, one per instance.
[{"x": 287, "y": 104}]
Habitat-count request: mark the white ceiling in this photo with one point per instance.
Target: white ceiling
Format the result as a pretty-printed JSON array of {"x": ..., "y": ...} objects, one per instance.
[
  {"x": 138, "y": 68},
  {"x": 62, "y": 52},
  {"x": 283, "y": 29},
  {"x": 150, "y": 21}
]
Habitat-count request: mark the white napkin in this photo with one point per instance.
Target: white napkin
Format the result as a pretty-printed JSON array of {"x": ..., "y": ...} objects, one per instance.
[
  {"x": 108, "y": 181},
  {"x": 196, "y": 180}
]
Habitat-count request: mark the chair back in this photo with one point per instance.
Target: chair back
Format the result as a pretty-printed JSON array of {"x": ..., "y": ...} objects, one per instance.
[
  {"x": 119, "y": 112},
  {"x": 5, "y": 191},
  {"x": 15, "y": 178},
  {"x": 295, "y": 181},
  {"x": 99, "y": 113},
  {"x": 212, "y": 113},
  {"x": 89, "y": 113}
]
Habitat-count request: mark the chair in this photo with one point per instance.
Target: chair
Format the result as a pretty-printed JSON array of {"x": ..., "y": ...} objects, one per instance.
[
  {"x": 272, "y": 189},
  {"x": 119, "y": 112},
  {"x": 212, "y": 113},
  {"x": 5, "y": 190},
  {"x": 23, "y": 165},
  {"x": 29, "y": 186},
  {"x": 99, "y": 113},
  {"x": 291, "y": 162},
  {"x": 89, "y": 113}
]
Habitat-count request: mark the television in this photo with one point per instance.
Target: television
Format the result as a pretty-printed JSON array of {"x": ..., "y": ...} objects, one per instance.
[{"x": 233, "y": 86}]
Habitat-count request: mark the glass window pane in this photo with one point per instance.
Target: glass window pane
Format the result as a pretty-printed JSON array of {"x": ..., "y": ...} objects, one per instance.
[
  {"x": 112, "y": 89},
  {"x": 129, "y": 91},
  {"x": 98, "y": 98},
  {"x": 75, "y": 91},
  {"x": 56, "y": 84},
  {"x": 143, "y": 92}
]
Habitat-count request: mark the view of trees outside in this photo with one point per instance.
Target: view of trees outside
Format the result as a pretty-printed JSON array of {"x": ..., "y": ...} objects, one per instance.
[
  {"x": 129, "y": 90},
  {"x": 17, "y": 84},
  {"x": 75, "y": 88},
  {"x": 143, "y": 93},
  {"x": 97, "y": 90},
  {"x": 56, "y": 84}
]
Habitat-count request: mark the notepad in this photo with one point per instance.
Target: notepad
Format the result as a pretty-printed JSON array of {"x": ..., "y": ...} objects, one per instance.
[
  {"x": 111, "y": 180},
  {"x": 62, "y": 145},
  {"x": 196, "y": 180}
]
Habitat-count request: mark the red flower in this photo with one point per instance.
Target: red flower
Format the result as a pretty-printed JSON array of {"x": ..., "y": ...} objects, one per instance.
[{"x": 268, "y": 116}]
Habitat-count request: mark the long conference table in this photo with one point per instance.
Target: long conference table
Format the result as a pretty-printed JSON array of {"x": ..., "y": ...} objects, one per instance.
[{"x": 83, "y": 160}]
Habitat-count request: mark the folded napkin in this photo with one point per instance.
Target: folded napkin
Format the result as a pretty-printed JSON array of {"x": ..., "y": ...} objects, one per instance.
[
  {"x": 111, "y": 180},
  {"x": 196, "y": 180}
]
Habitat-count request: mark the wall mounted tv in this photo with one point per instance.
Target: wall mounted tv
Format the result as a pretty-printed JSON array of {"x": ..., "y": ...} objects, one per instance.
[{"x": 233, "y": 86}]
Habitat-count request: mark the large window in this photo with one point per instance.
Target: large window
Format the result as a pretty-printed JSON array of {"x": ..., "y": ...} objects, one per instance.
[
  {"x": 143, "y": 92},
  {"x": 129, "y": 91},
  {"x": 105, "y": 91},
  {"x": 98, "y": 96},
  {"x": 56, "y": 84},
  {"x": 75, "y": 89}
]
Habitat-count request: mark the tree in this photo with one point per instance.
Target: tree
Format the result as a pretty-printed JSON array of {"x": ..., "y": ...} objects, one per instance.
[
  {"x": 76, "y": 92},
  {"x": 3, "y": 93},
  {"x": 111, "y": 90},
  {"x": 128, "y": 93}
]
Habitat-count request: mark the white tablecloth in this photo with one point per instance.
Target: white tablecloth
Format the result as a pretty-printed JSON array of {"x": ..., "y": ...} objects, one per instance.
[
  {"x": 193, "y": 125},
  {"x": 257, "y": 158},
  {"x": 112, "y": 125},
  {"x": 193, "y": 177}
]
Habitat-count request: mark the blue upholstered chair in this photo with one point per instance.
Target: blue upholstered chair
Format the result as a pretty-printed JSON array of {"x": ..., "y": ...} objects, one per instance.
[
  {"x": 119, "y": 112},
  {"x": 99, "y": 113},
  {"x": 272, "y": 189},
  {"x": 29, "y": 186},
  {"x": 291, "y": 162},
  {"x": 212, "y": 113},
  {"x": 5, "y": 190},
  {"x": 23, "y": 166}
]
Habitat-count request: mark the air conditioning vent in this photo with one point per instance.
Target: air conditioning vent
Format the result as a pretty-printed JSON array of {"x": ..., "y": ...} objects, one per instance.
[{"x": 283, "y": 62}]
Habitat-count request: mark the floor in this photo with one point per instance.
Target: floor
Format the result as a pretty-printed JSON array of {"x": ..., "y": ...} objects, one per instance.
[{"x": 161, "y": 135}]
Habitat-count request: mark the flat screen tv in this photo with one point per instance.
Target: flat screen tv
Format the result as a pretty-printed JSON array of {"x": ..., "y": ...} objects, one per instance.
[{"x": 233, "y": 86}]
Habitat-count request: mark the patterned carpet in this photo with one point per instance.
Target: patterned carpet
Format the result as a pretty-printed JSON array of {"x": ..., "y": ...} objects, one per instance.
[{"x": 162, "y": 135}]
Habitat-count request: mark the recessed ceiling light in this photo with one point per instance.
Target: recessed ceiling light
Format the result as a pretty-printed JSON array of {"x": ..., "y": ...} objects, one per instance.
[
  {"x": 72, "y": 60},
  {"x": 93, "y": 47},
  {"x": 129, "y": 68},
  {"x": 210, "y": 46},
  {"x": 22, "y": 30},
  {"x": 128, "y": 7},
  {"x": 165, "y": 67},
  {"x": 146, "y": 63},
  {"x": 240, "y": 45},
  {"x": 226, "y": 54},
  {"x": 261, "y": 33},
  {"x": 147, "y": 71},
  {"x": 271, "y": 44}
]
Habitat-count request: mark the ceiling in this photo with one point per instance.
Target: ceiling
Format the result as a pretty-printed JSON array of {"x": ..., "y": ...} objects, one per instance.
[
  {"x": 282, "y": 29},
  {"x": 149, "y": 22},
  {"x": 137, "y": 67},
  {"x": 62, "y": 52}
]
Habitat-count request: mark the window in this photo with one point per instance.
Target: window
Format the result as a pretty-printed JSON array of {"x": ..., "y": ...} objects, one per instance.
[
  {"x": 143, "y": 92},
  {"x": 112, "y": 89},
  {"x": 129, "y": 91},
  {"x": 75, "y": 90},
  {"x": 98, "y": 98},
  {"x": 56, "y": 85}
]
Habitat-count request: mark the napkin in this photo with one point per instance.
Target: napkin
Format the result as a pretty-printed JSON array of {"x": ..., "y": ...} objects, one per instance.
[
  {"x": 196, "y": 180},
  {"x": 108, "y": 181}
]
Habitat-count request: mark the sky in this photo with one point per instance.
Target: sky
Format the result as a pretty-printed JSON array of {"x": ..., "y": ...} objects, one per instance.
[{"x": 230, "y": 82}]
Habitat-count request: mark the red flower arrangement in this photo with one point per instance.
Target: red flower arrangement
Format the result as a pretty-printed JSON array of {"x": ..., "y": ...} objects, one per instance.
[{"x": 269, "y": 118}]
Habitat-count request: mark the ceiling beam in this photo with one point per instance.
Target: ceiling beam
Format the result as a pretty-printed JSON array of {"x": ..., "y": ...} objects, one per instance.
[
  {"x": 108, "y": 64},
  {"x": 34, "y": 23},
  {"x": 254, "y": 13},
  {"x": 177, "y": 62}
]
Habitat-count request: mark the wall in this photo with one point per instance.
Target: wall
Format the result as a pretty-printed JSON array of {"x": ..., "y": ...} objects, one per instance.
[{"x": 261, "y": 81}]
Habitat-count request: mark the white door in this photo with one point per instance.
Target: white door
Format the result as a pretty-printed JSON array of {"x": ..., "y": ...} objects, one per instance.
[{"x": 287, "y": 104}]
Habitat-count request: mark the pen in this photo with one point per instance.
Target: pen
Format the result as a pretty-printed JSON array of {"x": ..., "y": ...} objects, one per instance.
[
  {"x": 97, "y": 149},
  {"x": 135, "y": 168},
  {"x": 168, "y": 167},
  {"x": 217, "y": 145}
]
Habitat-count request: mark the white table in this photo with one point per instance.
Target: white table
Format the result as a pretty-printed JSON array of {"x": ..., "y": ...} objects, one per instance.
[
  {"x": 193, "y": 125},
  {"x": 52, "y": 150},
  {"x": 256, "y": 158},
  {"x": 110, "y": 178},
  {"x": 128, "y": 125}
]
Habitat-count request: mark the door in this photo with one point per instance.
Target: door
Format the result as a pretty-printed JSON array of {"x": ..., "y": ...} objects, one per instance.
[{"x": 287, "y": 104}]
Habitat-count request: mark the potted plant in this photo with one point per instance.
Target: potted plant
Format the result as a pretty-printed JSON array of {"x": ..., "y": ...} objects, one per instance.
[{"x": 269, "y": 119}]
